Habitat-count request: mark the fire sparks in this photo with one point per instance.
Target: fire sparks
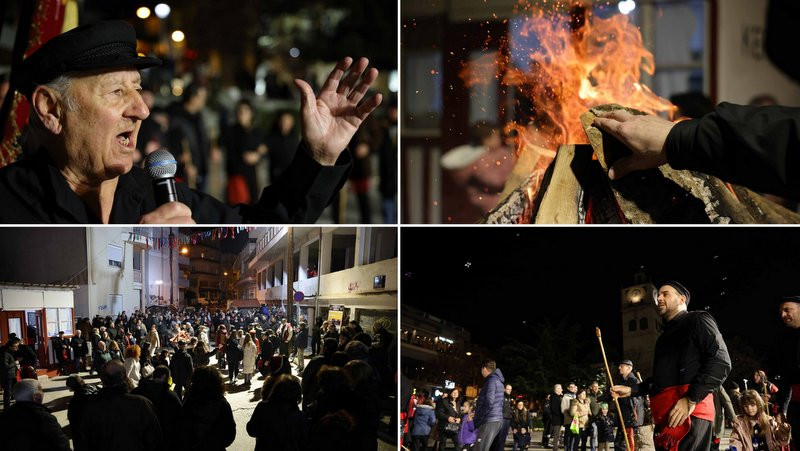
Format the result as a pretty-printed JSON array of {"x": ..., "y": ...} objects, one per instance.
[{"x": 578, "y": 61}]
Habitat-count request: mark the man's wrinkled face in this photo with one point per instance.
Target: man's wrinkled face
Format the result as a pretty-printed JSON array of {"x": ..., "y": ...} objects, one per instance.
[
  {"x": 790, "y": 314},
  {"x": 100, "y": 135},
  {"x": 624, "y": 369}
]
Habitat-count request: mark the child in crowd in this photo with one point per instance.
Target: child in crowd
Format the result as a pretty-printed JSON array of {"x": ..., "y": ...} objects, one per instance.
[
  {"x": 424, "y": 420},
  {"x": 469, "y": 433},
  {"x": 605, "y": 428}
]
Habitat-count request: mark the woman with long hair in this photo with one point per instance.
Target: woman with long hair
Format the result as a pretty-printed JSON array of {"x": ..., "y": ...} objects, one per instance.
[
  {"x": 755, "y": 429},
  {"x": 132, "y": 366},
  {"x": 113, "y": 349},
  {"x": 448, "y": 418},
  {"x": 521, "y": 426}
]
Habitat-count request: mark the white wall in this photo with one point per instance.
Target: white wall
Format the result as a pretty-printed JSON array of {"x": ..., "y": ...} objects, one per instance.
[
  {"x": 34, "y": 298},
  {"x": 743, "y": 68},
  {"x": 105, "y": 279}
]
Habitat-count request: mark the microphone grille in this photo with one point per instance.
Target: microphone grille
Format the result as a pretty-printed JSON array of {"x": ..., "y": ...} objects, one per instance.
[{"x": 161, "y": 164}]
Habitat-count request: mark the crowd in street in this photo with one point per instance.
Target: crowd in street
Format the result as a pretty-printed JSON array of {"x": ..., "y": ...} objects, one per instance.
[
  {"x": 688, "y": 403},
  {"x": 163, "y": 382}
]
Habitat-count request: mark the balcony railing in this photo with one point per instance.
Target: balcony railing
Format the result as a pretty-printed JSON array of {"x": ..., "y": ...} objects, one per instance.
[{"x": 137, "y": 276}]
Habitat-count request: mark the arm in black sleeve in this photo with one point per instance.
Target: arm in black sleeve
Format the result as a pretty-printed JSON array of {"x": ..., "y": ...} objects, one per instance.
[
  {"x": 715, "y": 363},
  {"x": 758, "y": 147}
]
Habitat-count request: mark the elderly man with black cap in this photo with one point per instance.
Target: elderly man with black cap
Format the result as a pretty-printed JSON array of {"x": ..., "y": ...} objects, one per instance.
[
  {"x": 691, "y": 361},
  {"x": 83, "y": 87}
]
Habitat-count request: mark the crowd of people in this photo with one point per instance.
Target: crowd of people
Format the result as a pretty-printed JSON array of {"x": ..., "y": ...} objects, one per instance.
[
  {"x": 689, "y": 403},
  {"x": 162, "y": 381},
  {"x": 201, "y": 132}
]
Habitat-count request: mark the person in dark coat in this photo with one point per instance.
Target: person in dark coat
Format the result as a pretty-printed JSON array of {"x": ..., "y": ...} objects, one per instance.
[
  {"x": 165, "y": 402},
  {"x": 448, "y": 411},
  {"x": 61, "y": 351},
  {"x": 116, "y": 419},
  {"x": 234, "y": 354},
  {"x": 181, "y": 368},
  {"x": 245, "y": 146},
  {"x": 79, "y": 350},
  {"x": 309, "y": 383},
  {"x": 556, "y": 415},
  {"x": 100, "y": 356},
  {"x": 82, "y": 395},
  {"x": 301, "y": 343},
  {"x": 28, "y": 425},
  {"x": 316, "y": 337},
  {"x": 207, "y": 420},
  {"x": 336, "y": 393},
  {"x": 8, "y": 369},
  {"x": 277, "y": 423}
]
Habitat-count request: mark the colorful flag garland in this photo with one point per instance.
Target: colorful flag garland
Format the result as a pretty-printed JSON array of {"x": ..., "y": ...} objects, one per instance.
[{"x": 213, "y": 234}]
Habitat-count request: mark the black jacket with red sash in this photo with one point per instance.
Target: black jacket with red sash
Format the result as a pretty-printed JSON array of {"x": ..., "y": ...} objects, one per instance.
[{"x": 691, "y": 360}]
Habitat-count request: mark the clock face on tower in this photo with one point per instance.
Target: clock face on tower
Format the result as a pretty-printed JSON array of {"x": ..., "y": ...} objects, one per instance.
[{"x": 635, "y": 295}]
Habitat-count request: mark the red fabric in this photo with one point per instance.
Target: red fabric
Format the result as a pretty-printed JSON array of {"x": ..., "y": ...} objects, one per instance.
[
  {"x": 238, "y": 192},
  {"x": 796, "y": 392},
  {"x": 668, "y": 437}
]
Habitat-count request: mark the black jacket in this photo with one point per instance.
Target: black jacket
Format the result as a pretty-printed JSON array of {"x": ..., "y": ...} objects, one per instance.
[
  {"x": 301, "y": 339},
  {"x": 30, "y": 426},
  {"x": 277, "y": 426},
  {"x": 167, "y": 406},
  {"x": 690, "y": 350},
  {"x": 556, "y": 415},
  {"x": 445, "y": 410},
  {"x": 77, "y": 405},
  {"x": 118, "y": 420},
  {"x": 32, "y": 190},
  {"x": 207, "y": 425},
  {"x": 758, "y": 147},
  {"x": 8, "y": 364},
  {"x": 181, "y": 367}
]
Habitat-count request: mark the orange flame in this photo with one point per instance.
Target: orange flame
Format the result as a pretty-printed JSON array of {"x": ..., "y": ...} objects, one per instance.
[
  {"x": 575, "y": 70},
  {"x": 578, "y": 64}
]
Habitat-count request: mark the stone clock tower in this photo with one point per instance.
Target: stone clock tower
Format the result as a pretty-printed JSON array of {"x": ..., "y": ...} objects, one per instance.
[{"x": 641, "y": 324}]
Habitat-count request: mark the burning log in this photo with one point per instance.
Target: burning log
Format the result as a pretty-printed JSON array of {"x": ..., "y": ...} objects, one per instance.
[{"x": 575, "y": 189}]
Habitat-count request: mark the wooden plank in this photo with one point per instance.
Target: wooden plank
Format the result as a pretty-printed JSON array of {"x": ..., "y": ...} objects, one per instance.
[
  {"x": 663, "y": 195},
  {"x": 560, "y": 202}
]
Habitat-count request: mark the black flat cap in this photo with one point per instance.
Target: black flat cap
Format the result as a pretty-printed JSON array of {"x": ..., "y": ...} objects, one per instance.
[
  {"x": 682, "y": 290},
  {"x": 109, "y": 44}
]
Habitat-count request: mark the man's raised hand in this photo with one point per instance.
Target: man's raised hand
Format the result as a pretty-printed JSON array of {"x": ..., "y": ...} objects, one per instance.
[{"x": 330, "y": 120}]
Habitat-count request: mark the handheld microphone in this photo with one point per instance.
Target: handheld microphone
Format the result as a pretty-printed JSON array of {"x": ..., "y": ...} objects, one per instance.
[{"x": 161, "y": 166}]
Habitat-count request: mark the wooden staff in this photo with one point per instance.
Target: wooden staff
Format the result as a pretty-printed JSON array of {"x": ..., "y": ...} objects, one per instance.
[{"x": 611, "y": 384}]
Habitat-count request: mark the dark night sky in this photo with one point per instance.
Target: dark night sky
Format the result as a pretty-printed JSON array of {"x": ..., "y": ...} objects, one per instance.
[{"x": 491, "y": 279}]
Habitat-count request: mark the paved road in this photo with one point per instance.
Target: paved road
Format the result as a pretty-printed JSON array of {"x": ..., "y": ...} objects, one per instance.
[{"x": 243, "y": 400}]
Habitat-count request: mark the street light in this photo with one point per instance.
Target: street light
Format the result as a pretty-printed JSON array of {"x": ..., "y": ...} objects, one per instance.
[
  {"x": 178, "y": 36},
  {"x": 143, "y": 12},
  {"x": 184, "y": 250},
  {"x": 162, "y": 10}
]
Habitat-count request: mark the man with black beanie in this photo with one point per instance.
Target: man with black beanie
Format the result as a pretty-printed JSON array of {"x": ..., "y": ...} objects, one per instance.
[{"x": 691, "y": 361}]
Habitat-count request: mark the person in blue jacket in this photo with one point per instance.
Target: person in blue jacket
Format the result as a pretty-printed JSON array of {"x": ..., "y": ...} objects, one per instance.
[
  {"x": 424, "y": 420},
  {"x": 489, "y": 409}
]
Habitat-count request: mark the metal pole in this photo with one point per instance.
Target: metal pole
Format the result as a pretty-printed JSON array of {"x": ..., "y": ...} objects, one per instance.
[{"x": 290, "y": 276}]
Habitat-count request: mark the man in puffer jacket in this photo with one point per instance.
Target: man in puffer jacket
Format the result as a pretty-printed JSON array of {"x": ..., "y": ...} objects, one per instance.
[{"x": 489, "y": 410}]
